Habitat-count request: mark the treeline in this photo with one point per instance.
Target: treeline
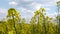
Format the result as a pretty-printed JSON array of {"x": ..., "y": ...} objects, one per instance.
[{"x": 39, "y": 23}]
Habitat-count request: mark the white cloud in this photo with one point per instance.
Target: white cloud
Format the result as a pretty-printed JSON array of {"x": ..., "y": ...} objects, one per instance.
[
  {"x": 51, "y": 14},
  {"x": 24, "y": 9},
  {"x": 27, "y": 0},
  {"x": 13, "y": 3},
  {"x": 35, "y": 5},
  {"x": 13, "y": 0},
  {"x": 47, "y": 8},
  {"x": 3, "y": 10},
  {"x": 52, "y": 3},
  {"x": 3, "y": 13},
  {"x": 25, "y": 13},
  {"x": 49, "y": 4}
]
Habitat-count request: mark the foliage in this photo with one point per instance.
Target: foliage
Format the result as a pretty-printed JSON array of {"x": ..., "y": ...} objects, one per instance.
[{"x": 39, "y": 24}]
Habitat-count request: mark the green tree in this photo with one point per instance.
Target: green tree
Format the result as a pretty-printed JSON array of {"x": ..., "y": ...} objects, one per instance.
[
  {"x": 39, "y": 15},
  {"x": 13, "y": 15},
  {"x": 33, "y": 26}
]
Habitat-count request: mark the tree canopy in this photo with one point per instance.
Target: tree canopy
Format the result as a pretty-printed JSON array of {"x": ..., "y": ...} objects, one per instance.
[{"x": 39, "y": 23}]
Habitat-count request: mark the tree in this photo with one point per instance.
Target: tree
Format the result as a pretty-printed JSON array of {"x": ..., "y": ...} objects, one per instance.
[
  {"x": 39, "y": 24},
  {"x": 39, "y": 16},
  {"x": 3, "y": 27},
  {"x": 13, "y": 15},
  {"x": 33, "y": 26},
  {"x": 58, "y": 21}
]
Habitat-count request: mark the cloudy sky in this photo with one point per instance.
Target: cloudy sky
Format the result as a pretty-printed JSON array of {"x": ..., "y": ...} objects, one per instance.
[{"x": 27, "y": 7}]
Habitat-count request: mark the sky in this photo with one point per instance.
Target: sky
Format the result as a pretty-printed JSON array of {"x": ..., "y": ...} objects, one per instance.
[{"x": 27, "y": 7}]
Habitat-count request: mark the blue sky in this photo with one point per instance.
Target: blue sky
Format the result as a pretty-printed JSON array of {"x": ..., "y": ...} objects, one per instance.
[{"x": 27, "y": 7}]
